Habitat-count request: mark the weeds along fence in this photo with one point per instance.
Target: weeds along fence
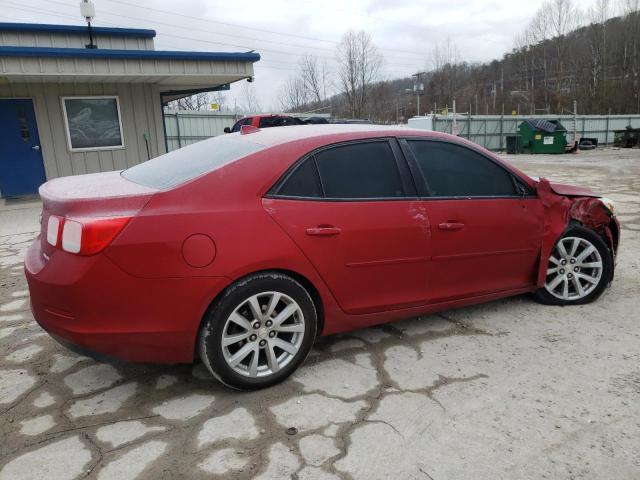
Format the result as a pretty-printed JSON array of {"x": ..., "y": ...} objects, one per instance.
[
  {"x": 491, "y": 131},
  {"x": 184, "y": 127}
]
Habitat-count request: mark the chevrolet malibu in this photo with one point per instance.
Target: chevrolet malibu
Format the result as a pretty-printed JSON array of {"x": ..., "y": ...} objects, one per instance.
[{"x": 243, "y": 248}]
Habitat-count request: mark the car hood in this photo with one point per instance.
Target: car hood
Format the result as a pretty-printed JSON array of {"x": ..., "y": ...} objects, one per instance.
[{"x": 570, "y": 190}]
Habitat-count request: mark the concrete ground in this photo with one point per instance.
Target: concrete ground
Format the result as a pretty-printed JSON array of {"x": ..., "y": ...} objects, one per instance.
[{"x": 506, "y": 390}]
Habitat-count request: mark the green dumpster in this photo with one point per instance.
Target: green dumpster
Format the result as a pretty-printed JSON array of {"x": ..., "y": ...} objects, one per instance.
[{"x": 542, "y": 136}]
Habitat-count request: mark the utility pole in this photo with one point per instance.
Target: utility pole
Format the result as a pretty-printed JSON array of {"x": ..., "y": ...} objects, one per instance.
[
  {"x": 418, "y": 87},
  {"x": 575, "y": 121},
  {"x": 454, "y": 124}
]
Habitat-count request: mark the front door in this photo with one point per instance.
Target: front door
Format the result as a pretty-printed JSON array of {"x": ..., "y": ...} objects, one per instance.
[
  {"x": 21, "y": 167},
  {"x": 486, "y": 225}
]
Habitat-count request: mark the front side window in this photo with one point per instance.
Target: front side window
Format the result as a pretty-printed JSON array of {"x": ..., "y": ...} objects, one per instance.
[
  {"x": 93, "y": 123},
  {"x": 238, "y": 125},
  {"x": 364, "y": 170},
  {"x": 455, "y": 171}
]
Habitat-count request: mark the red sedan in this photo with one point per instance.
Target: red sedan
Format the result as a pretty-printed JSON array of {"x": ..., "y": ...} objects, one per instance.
[{"x": 245, "y": 247}]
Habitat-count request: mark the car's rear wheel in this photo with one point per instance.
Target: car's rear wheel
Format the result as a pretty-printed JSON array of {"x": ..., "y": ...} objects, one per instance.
[
  {"x": 259, "y": 332},
  {"x": 578, "y": 270}
]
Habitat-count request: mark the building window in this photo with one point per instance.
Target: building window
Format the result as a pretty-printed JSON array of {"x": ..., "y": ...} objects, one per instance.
[{"x": 93, "y": 123}]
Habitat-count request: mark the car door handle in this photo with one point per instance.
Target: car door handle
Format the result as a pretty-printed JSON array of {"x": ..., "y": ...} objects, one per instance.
[
  {"x": 325, "y": 231},
  {"x": 451, "y": 226}
]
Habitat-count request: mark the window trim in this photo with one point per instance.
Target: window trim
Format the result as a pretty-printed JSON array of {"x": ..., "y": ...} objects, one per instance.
[
  {"x": 406, "y": 182},
  {"x": 423, "y": 187},
  {"x": 122, "y": 145}
]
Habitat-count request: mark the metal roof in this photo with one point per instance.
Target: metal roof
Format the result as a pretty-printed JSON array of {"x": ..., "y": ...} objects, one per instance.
[
  {"x": 49, "y": 52},
  {"x": 76, "y": 29}
]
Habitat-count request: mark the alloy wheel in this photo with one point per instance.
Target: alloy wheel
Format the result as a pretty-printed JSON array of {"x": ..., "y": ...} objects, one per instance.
[
  {"x": 263, "y": 334},
  {"x": 574, "y": 269}
]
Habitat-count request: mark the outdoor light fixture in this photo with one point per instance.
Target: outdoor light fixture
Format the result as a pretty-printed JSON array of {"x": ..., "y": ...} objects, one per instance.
[{"x": 88, "y": 11}]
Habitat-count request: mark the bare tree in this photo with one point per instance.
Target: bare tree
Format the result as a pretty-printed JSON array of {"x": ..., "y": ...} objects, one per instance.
[
  {"x": 314, "y": 76},
  {"x": 294, "y": 95},
  {"x": 628, "y": 7},
  {"x": 359, "y": 64},
  {"x": 446, "y": 68},
  {"x": 444, "y": 54},
  {"x": 199, "y": 101},
  {"x": 563, "y": 16},
  {"x": 248, "y": 101},
  {"x": 220, "y": 99}
]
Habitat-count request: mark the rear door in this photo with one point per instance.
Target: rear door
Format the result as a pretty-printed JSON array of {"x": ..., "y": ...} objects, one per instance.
[
  {"x": 352, "y": 210},
  {"x": 486, "y": 225}
]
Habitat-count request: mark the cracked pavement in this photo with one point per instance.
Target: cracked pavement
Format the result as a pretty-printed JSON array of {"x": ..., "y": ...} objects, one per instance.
[{"x": 509, "y": 389}]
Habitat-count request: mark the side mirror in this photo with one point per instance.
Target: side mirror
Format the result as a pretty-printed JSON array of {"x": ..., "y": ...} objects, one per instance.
[{"x": 227, "y": 130}]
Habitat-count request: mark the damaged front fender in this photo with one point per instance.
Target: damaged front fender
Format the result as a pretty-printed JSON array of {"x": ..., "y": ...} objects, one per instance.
[{"x": 563, "y": 210}]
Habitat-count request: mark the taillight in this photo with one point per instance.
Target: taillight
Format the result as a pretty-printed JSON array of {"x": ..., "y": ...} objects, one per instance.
[
  {"x": 53, "y": 229},
  {"x": 72, "y": 236},
  {"x": 84, "y": 236}
]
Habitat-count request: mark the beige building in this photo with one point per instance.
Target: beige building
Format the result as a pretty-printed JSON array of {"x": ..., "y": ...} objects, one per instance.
[{"x": 68, "y": 109}]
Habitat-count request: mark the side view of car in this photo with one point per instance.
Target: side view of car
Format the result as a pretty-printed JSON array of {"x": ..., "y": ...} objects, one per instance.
[
  {"x": 243, "y": 248},
  {"x": 264, "y": 121}
]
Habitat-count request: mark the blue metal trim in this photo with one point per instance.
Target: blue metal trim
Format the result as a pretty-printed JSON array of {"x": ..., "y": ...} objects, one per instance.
[
  {"x": 76, "y": 29},
  {"x": 134, "y": 54}
]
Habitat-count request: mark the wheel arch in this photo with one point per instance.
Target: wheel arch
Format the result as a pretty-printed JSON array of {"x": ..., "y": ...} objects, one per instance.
[{"x": 301, "y": 279}]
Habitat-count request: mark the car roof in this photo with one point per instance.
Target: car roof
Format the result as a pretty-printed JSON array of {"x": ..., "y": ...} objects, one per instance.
[
  {"x": 266, "y": 115},
  {"x": 333, "y": 133}
]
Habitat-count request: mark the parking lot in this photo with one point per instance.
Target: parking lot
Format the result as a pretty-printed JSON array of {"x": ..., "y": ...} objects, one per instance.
[{"x": 509, "y": 389}]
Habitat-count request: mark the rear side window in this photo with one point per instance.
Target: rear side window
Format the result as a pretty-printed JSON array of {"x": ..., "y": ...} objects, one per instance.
[
  {"x": 266, "y": 122},
  {"x": 189, "y": 162},
  {"x": 455, "y": 171},
  {"x": 303, "y": 181},
  {"x": 359, "y": 171}
]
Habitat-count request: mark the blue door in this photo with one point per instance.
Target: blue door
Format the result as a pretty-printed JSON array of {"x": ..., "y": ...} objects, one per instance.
[{"x": 21, "y": 167}]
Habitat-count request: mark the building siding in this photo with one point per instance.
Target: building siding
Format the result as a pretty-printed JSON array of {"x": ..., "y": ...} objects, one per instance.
[{"x": 140, "y": 112}]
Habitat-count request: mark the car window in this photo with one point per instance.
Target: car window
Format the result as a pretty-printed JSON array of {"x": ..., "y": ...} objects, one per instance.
[
  {"x": 456, "y": 171},
  {"x": 303, "y": 181},
  {"x": 189, "y": 162},
  {"x": 291, "y": 121},
  {"x": 266, "y": 122},
  {"x": 359, "y": 170},
  {"x": 240, "y": 123}
]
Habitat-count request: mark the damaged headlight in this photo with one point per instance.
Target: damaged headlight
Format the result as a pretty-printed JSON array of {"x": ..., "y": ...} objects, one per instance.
[{"x": 607, "y": 202}]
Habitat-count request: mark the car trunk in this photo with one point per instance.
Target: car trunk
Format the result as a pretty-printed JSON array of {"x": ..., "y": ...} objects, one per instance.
[{"x": 94, "y": 195}]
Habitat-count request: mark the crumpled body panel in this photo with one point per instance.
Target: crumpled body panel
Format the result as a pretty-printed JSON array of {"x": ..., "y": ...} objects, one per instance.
[{"x": 575, "y": 204}]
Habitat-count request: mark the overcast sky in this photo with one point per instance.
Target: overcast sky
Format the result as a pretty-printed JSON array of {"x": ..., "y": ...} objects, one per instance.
[{"x": 405, "y": 31}]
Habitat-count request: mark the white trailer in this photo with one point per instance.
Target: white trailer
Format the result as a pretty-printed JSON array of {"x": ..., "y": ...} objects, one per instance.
[{"x": 422, "y": 123}]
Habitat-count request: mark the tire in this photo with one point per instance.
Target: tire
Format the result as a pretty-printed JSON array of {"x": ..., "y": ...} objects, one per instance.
[
  {"x": 243, "y": 348},
  {"x": 578, "y": 270}
]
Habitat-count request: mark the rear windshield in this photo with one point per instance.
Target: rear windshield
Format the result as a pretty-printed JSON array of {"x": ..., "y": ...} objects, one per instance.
[{"x": 189, "y": 162}]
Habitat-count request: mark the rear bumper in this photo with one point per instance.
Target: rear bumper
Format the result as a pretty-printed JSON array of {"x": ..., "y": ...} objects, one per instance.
[{"x": 90, "y": 303}]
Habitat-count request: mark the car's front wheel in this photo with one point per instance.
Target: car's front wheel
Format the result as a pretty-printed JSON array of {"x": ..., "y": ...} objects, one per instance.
[
  {"x": 259, "y": 331},
  {"x": 578, "y": 270}
]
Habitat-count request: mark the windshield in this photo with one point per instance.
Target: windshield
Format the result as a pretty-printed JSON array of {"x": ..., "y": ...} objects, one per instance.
[{"x": 189, "y": 162}]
